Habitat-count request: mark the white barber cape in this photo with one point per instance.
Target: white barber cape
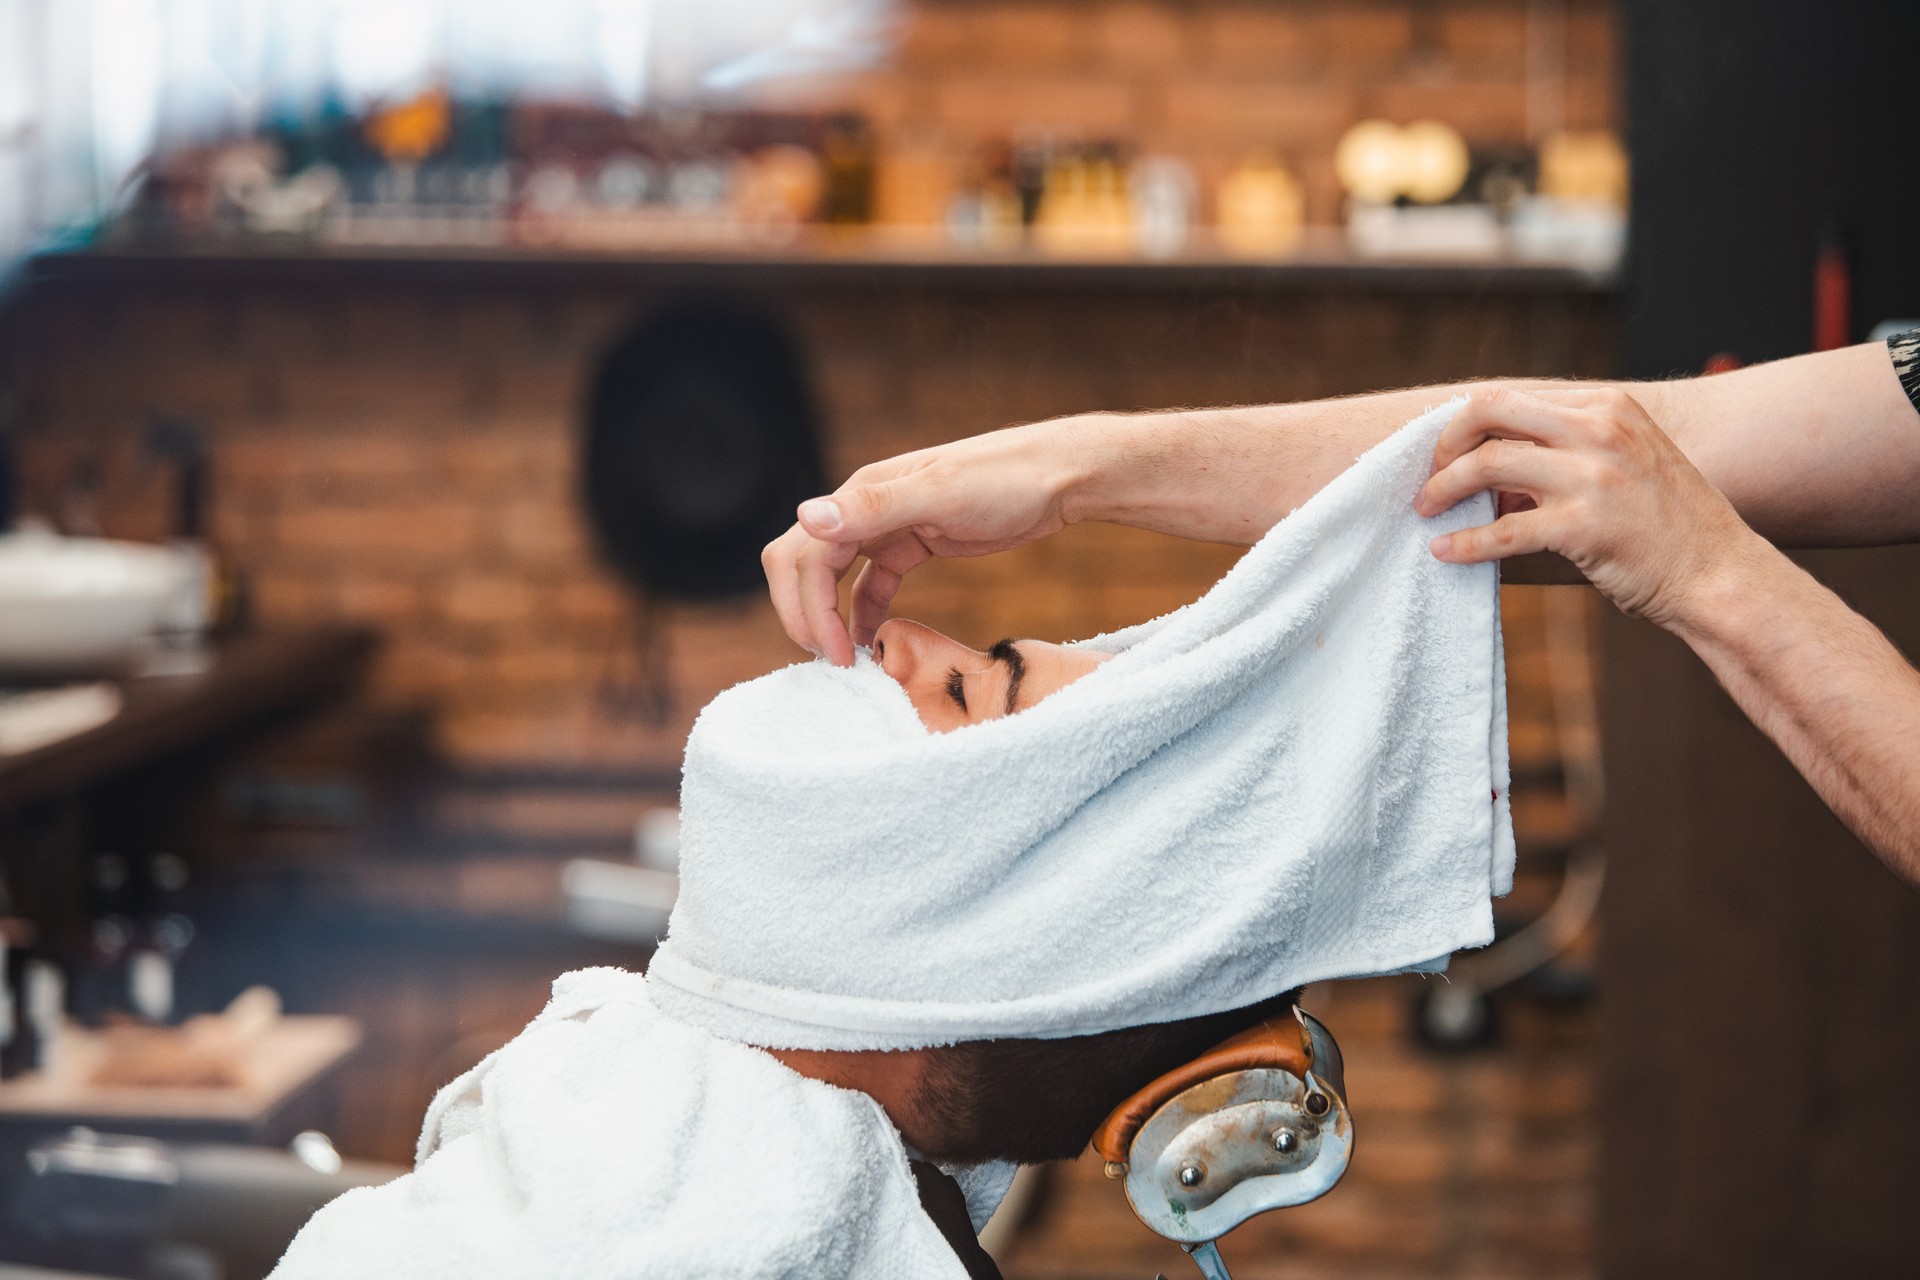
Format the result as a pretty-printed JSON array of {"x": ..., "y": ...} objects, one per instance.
[{"x": 610, "y": 1141}]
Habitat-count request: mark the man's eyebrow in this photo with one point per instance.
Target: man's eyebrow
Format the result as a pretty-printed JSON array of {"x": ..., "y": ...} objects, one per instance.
[{"x": 1003, "y": 651}]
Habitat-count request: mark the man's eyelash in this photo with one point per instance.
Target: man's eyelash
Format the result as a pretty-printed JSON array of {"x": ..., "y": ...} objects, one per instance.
[{"x": 957, "y": 687}]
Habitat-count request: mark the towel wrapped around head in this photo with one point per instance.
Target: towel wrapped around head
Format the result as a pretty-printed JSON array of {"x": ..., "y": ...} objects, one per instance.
[{"x": 1300, "y": 776}]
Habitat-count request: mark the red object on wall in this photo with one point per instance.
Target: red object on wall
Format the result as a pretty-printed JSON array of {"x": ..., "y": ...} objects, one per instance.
[{"x": 1832, "y": 293}]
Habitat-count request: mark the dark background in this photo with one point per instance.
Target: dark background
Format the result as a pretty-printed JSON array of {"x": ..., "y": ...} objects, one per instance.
[
  {"x": 1753, "y": 123},
  {"x": 1760, "y": 970}
]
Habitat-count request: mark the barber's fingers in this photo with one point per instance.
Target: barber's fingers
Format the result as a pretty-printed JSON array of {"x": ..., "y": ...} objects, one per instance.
[
  {"x": 873, "y": 593},
  {"x": 1508, "y": 466},
  {"x": 888, "y": 561},
  {"x": 1504, "y": 413},
  {"x": 794, "y": 558},
  {"x": 819, "y": 568},
  {"x": 1511, "y": 535},
  {"x": 779, "y": 559},
  {"x": 859, "y": 512}
]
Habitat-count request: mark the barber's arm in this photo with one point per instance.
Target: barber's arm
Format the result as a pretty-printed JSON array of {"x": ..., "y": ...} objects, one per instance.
[
  {"x": 1220, "y": 475},
  {"x": 1822, "y": 682},
  {"x": 1589, "y": 475},
  {"x": 1819, "y": 449}
]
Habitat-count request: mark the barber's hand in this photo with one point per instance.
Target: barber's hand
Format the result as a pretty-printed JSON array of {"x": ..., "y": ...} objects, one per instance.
[
  {"x": 1586, "y": 474},
  {"x": 970, "y": 498}
]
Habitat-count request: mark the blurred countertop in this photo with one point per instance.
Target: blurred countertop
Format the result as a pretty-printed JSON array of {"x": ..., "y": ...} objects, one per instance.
[
  {"x": 268, "y": 1068},
  {"x": 240, "y": 680}
]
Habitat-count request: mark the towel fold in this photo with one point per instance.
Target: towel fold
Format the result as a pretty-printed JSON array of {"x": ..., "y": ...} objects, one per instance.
[
  {"x": 608, "y": 1142},
  {"x": 1300, "y": 776}
]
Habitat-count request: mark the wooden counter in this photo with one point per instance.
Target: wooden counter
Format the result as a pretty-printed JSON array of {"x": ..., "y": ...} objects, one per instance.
[
  {"x": 282, "y": 1064},
  {"x": 248, "y": 679}
]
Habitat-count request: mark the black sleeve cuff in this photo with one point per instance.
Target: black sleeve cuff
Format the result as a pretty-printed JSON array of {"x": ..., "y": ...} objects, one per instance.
[
  {"x": 946, "y": 1204},
  {"x": 1905, "y": 350}
]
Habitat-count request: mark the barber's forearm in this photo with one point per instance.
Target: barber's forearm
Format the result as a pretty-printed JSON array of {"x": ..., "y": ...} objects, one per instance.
[
  {"x": 1825, "y": 685},
  {"x": 1816, "y": 450},
  {"x": 1228, "y": 475}
]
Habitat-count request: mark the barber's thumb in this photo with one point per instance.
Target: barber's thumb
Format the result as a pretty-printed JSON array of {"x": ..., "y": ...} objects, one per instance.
[{"x": 850, "y": 515}]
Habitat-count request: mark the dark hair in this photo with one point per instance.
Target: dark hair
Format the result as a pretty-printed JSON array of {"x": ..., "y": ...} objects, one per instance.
[{"x": 1035, "y": 1100}]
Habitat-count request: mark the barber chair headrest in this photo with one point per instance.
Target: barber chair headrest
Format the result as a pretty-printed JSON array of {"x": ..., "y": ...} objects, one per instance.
[{"x": 1258, "y": 1122}]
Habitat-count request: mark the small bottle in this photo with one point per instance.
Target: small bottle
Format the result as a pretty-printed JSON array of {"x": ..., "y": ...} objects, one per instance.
[
  {"x": 43, "y": 1011},
  {"x": 1260, "y": 208},
  {"x": 1832, "y": 291},
  {"x": 163, "y": 937},
  {"x": 847, "y": 148},
  {"x": 1033, "y": 159},
  {"x": 1164, "y": 192},
  {"x": 19, "y": 1048},
  {"x": 100, "y": 982},
  {"x": 6, "y": 472}
]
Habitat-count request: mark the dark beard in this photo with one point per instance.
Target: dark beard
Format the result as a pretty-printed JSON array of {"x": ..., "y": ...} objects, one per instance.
[{"x": 1035, "y": 1100}]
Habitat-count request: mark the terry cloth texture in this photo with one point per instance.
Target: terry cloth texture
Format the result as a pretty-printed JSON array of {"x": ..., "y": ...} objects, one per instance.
[
  {"x": 608, "y": 1142},
  {"x": 1300, "y": 776}
]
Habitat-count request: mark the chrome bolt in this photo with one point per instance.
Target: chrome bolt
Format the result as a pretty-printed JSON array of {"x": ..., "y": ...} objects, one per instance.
[
  {"x": 1192, "y": 1175},
  {"x": 1317, "y": 1104},
  {"x": 1286, "y": 1141}
]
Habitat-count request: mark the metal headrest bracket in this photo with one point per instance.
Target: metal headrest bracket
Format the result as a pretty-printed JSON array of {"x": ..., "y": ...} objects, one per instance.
[{"x": 1258, "y": 1122}]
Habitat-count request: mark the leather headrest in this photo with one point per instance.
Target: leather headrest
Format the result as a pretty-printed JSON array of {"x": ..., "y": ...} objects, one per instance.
[{"x": 1278, "y": 1042}]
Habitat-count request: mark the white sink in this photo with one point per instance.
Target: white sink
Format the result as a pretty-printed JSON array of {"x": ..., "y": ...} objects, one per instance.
[{"x": 68, "y": 603}]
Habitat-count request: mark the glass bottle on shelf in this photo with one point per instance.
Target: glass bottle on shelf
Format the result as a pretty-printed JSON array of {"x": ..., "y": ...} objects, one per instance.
[
  {"x": 1163, "y": 192},
  {"x": 1260, "y": 208},
  {"x": 165, "y": 932},
  {"x": 19, "y": 1047},
  {"x": 847, "y": 148}
]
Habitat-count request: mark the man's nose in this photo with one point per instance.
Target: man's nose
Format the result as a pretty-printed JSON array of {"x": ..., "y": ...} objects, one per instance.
[{"x": 904, "y": 649}]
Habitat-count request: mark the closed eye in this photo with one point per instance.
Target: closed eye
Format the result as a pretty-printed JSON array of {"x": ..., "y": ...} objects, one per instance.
[{"x": 957, "y": 688}]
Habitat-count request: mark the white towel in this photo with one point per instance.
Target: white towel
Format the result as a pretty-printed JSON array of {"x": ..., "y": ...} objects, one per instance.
[
  {"x": 608, "y": 1142},
  {"x": 1301, "y": 776}
]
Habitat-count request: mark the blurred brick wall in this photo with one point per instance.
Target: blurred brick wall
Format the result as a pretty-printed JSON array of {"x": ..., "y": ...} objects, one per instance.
[
  {"x": 408, "y": 461},
  {"x": 1210, "y": 80}
]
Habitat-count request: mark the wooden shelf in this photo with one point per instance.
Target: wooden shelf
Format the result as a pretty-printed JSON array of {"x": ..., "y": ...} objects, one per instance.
[{"x": 822, "y": 263}]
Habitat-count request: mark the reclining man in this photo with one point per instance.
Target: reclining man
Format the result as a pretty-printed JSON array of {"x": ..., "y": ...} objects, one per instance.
[{"x": 942, "y": 910}]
